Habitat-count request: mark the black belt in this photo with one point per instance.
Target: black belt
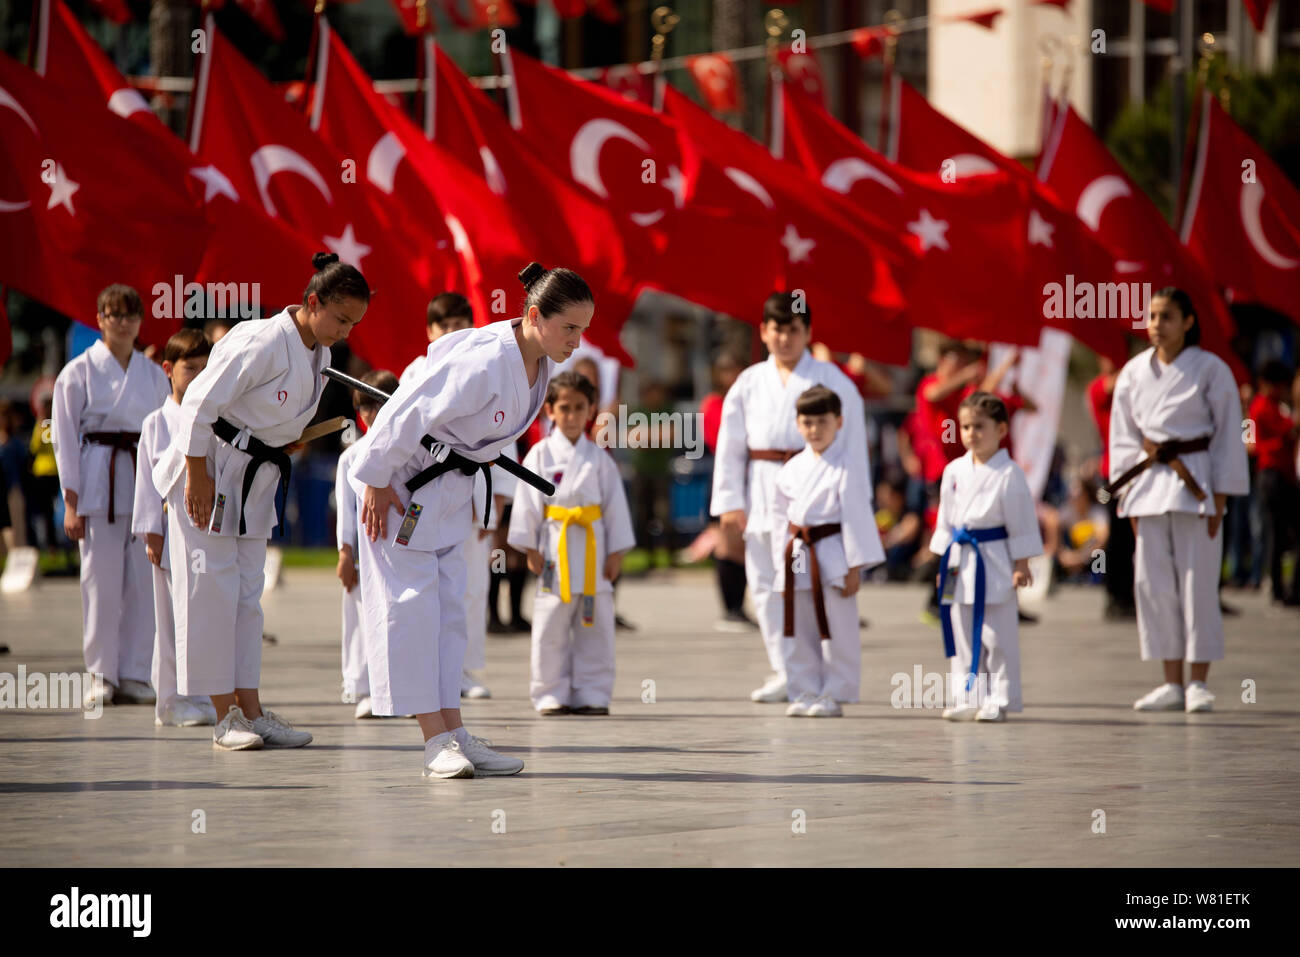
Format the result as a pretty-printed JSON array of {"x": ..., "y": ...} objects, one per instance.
[
  {"x": 118, "y": 442},
  {"x": 453, "y": 461},
  {"x": 260, "y": 453},
  {"x": 1161, "y": 453}
]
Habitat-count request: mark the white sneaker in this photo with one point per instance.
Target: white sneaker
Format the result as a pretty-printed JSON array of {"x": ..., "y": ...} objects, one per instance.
[
  {"x": 1168, "y": 697},
  {"x": 444, "y": 759},
  {"x": 470, "y": 687},
  {"x": 772, "y": 692},
  {"x": 99, "y": 694},
  {"x": 183, "y": 713},
  {"x": 1199, "y": 697},
  {"x": 205, "y": 706},
  {"x": 235, "y": 733},
  {"x": 962, "y": 712},
  {"x": 825, "y": 707},
  {"x": 278, "y": 733},
  {"x": 364, "y": 709},
  {"x": 991, "y": 711},
  {"x": 487, "y": 761},
  {"x": 801, "y": 707},
  {"x": 130, "y": 691}
]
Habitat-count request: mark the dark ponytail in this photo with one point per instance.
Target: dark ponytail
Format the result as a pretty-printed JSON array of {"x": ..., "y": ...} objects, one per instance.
[
  {"x": 552, "y": 290},
  {"x": 1184, "y": 304},
  {"x": 335, "y": 280}
]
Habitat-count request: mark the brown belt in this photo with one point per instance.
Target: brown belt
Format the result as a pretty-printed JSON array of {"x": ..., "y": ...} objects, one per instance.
[
  {"x": 773, "y": 455},
  {"x": 810, "y": 535},
  {"x": 1162, "y": 453},
  {"x": 119, "y": 442}
]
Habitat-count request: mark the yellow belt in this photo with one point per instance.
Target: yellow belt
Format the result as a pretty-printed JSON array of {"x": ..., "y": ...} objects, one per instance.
[{"x": 584, "y": 515}]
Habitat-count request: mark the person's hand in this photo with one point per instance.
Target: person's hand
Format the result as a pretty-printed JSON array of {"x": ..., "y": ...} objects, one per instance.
[
  {"x": 1021, "y": 577},
  {"x": 1215, "y": 520},
  {"x": 200, "y": 492},
  {"x": 852, "y": 580},
  {"x": 74, "y": 525},
  {"x": 534, "y": 560},
  {"x": 347, "y": 568},
  {"x": 153, "y": 544},
  {"x": 613, "y": 565},
  {"x": 821, "y": 352},
  {"x": 485, "y": 533},
  {"x": 293, "y": 448},
  {"x": 375, "y": 503},
  {"x": 733, "y": 521}
]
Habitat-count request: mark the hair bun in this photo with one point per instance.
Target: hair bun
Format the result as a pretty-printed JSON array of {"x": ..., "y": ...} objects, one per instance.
[
  {"x": 320, "y": 260},
  {"x": 531, "y": 273}
]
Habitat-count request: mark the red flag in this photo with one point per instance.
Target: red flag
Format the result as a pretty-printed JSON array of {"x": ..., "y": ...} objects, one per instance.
[
  {"x": 264, "y": 15},
  {"x": 78, "y": 218},
  {"x": 925, "y": 140},
  {"x": 869, "y": 42},
  {"x": 1243, "y": 215},
  {"x": 803, "y": 71},
  {"x": 715, "y": 78},
  {"x": 845, "y": 274},
  {"x": 630, "y": 82},
  {"x": 1258, "y": 11},
  {"x": 242, "y": 243},
  {"x": 115, "y": 10},
  {"x": 476, "y": 14},
  {"x": 983, "y": 18},
  {"x": 416, "y": 16},
  {"x": 1087, "y": 179},
  {"x": 265, "y": 149},
  {"x": 562, "y": 225},
  {"x": 628, "y": 159}
]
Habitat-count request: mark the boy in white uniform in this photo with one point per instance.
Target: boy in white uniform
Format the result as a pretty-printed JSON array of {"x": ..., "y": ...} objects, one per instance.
[
  {"x": 356, "y": 677},
  {"x": 228, "y": 459},
  {"x": 759, "y": 433},
  {"x": 824, "y": 535},
  {"x": 575, "y": 547},
  {"x": 478, "y": 391},
  {"x": 101, "y": 399},
  {"x": 1176, "y": 455},
  {"x": 184, "y": 357},
  {"x": 985, "y": 534},
  {"x": 446, "y": 312}
]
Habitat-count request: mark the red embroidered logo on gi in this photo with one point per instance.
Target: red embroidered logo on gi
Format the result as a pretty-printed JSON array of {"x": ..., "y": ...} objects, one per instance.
[
  {"x": 281, "y": 396},
  {"x": 555, "y": 479},
  {"x": 499, "y": 417}
]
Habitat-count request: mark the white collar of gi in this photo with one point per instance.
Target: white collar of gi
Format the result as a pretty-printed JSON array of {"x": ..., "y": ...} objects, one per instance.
[{"x": 997, "y": 460}]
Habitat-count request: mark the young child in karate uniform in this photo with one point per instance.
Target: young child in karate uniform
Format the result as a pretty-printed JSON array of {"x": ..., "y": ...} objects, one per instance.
[
  {"x": 356, "y": 676},
  {"x": 575, "y": 545},
  {"x": 228, "y": 459},
  {"x": 479, "y": 390},
  {"x": 101, "y": 399},
  {"x": 985, "y": 534},
  {"x": 184, "y": 357},
  {"x": 758, "y": 434},
  {"x": 824, "y": 535},
  {"x": 1180, "y": 403}
]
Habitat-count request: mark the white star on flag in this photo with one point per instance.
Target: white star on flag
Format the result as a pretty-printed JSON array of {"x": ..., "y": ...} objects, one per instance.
[
  {"x": 348, "y": 248},
  {"x": 932, "y": 232},
  {"x": 214, "y": 182},
  {"x": 796, "y": 247},
  {"x": 675, "y": 183},
  {"x": 61, "y": 190},
  {"x": 1040, "y": 230}
]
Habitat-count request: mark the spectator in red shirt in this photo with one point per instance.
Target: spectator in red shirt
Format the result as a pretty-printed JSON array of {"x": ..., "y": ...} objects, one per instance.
[
  {"x": 1274, "y": 451},
  {"x": 935, "y": 440},
  {"x": 1014, "y": 400}
]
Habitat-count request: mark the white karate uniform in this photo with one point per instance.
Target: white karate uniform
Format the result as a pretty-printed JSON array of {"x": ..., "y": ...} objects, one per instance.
[
  {"x": 414, "y": 368},
  {"x": 1177, "y": 564},
  {"x": 820, "y": 490},
  {"x": 472, "y": 396},
  {"x": 93, "y": 394},
  {"x": 356, "y": 676},
  {"x": 985, "y": 496},
  {"x": 759, "y": 413},
  {"x": 478, "y": 559},
  {"x": 572, "y": 664},
  {"x": 263, "y": 380}
]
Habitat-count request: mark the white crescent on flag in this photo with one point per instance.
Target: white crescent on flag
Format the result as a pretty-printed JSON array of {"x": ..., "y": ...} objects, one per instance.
[
  {"x": 1252, "y": 199},
  {"x": 8, "y": 102},
  {"x": 269, "y": 160},
  {"x": 385, "y": 155},
  {"x": 843, "y": 173},
  {"x": 1097, "y": 195}
]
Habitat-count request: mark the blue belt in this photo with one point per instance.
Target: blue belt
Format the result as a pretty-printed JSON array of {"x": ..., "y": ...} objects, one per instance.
[{"x": 973, "y": 537}]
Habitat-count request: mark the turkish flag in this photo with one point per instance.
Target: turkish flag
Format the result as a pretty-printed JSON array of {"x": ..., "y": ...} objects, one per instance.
[
  {"x": 983, "y": 18},
  {"x": 433, "y": 186},
  {"x": 115, "y": 10},
  {"x": 628, "y": 158},
  {"x": 634, "y": 85},
  {"x": 264, "y": 15},
  {"x": 265, "y": 149},
  {"x": 715, "y": 78},
  {"x": 77, "y": 217},
  {"x": 1086, "y": 179},
  {"x": 561, "y": 224},
  {"x": 242, "y": 244},
  {"x": 927, "y": 141},
  {"x": 845, "y": 274},
  {"x": 869, "y": 42},
  {"x": 416, "y": 16},
  {"x": 985, "y": 245},
  {"x": 1258, "y": 11},
  {"x": 475, "y": 14},
  {"x": 1243, "y": 215},
  {"x": 802, "y": 70}
]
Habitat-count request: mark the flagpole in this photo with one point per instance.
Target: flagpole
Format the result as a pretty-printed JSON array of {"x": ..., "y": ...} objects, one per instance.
[
  {"x": 421, "y": 24},
  {"x": 892, "y": 19},
  {"x": 311, "y": 53},
  {"x": 204, "y": 15},
  {"x": 774, "y": 23},
  {"x": 664, "y": 20},
  {"x": 1191, "y": 152}
]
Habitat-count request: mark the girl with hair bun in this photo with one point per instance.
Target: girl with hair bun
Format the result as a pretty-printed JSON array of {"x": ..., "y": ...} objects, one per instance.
[
  {"x": 1176, "y": 455},
  {"x": 414, "y": 471},
  {"x": 228, "y": 459}
]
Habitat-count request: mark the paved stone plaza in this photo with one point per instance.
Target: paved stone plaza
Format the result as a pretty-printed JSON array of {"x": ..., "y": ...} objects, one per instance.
[{"x": 698, "y": 777}]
